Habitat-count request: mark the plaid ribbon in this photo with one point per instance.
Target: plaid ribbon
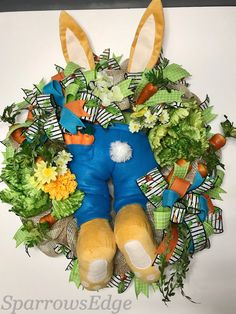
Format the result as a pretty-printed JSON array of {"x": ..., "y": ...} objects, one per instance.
[
  {"x": 141, "y": 287},
  {"x": 175, "y": 72},
  {"x": 179, "y": 171},
  {"x": 162, "y": 217},
  {"x": 74, "y": 274},
  {"x": 44, "y": 119}
]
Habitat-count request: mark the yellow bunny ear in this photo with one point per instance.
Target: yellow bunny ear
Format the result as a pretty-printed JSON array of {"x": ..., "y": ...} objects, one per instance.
[
  {"x": 147, "y": 43},
  {"x": 74, "y": 42}
]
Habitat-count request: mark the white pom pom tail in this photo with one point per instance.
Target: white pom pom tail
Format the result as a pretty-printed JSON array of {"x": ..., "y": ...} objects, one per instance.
[{"x": 120, "y": 151}]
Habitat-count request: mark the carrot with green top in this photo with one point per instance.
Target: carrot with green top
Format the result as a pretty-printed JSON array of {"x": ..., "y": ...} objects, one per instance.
[{"x": 156, "y": 82}]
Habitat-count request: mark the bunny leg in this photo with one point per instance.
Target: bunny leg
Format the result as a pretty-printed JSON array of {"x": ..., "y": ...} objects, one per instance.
[
  {"x": 134, "y": 238},
  {"x": 95, "y": 250}
]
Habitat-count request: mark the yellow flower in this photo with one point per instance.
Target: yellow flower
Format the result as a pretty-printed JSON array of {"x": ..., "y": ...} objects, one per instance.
[
  {"x": 62, "y": 187},
  {"x": 139, "y": 113},
  {"x": 44, "y": 174}
]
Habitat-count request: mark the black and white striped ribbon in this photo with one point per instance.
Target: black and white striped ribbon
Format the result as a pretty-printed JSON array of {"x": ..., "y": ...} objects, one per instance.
[
  {"x": 197, "y": 232},
  {"x": 176, "y": 255},
  {"x": 44, "y": 119},
  {"x": 152, "y": 184},
  {"x": 192, "y": 203},
  {"x": 178, "y": 212},
  {"x": 207, "y": 184},
  {"x": 93, "y": 111},
  {"x": 104, "y": 116},
  {"x": 62, "y": 249},
  {"x": 205, "y": 104},
  {"x": 58, "y": 68},
  {"x": 116, "y": 280},
  {"x": 100, "y": 113},
  {"x": 215, "y": 219},
  {"x": 178, "y": 251},
  {"x": 30, "y": 95},
  {"x": 160, "y": 60},
  {"x": 136, "y": 78},
  {"x": 70, "y": 79},
  {"x": 157, "y": 109},
  {"x": 105, "y": 55}
]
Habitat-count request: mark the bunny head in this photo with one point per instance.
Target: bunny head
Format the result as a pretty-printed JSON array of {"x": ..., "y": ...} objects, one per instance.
[{"x": 144, "y": 53}]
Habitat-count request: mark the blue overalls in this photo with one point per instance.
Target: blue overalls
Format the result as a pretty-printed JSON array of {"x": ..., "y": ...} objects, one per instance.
[{"x": 94, "y": 167}]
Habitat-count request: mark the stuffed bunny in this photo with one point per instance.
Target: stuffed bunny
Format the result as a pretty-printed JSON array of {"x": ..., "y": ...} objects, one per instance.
[{"x": 119, "y": 155}]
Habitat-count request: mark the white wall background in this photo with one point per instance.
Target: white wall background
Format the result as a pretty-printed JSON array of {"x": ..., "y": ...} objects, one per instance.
[{"x": 203, "y": 41}]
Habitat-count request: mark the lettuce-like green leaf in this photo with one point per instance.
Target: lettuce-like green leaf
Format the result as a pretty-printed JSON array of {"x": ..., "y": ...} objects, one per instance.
[{"x": 65, "y": 208}]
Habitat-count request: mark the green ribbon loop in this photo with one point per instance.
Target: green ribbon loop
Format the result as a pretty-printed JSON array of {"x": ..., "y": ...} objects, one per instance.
[
  {"x": 74, "y": 274},
  {"x": 141, "y": 287}
]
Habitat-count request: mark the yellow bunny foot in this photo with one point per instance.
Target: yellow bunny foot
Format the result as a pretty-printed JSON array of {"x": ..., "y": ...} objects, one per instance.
[
  {"x": 95, "y": 250},
  {"x": 134, "y": 238}
]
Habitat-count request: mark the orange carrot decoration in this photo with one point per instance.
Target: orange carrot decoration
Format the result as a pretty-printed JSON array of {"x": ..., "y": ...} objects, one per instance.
[
  {"x": 148, "y": 91},
  {"x": 156, "y": 82},
  {"x": 202, "y": 170},
  {"x": 218, "y": 141},
  {"x": 17, "y": 135},
  {"x": 79, "y": 138},
  {"x": 88, "y": 139},
  {"x": 48, "y": 218},
  {"x": 30, "y": 116}
]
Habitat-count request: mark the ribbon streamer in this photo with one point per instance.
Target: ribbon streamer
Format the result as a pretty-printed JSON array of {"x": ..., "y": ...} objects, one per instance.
[
  {"x": 136, "y": 79},
  {"x": 215, "y": 219},
  {"x": 72, "y": 78},
  {"x": 45, "y": 119},
  {"x": 153, "y": 185},
  {"x": 197, "y": 232},
  {"x": 205, "y": 104},
  {"x": 178, "y": 212},
  {"x": 116, "y": 280}
]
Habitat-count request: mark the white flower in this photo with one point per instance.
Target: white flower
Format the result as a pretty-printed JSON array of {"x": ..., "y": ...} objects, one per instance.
[
  {"x": 164, "y": 117},
  {"x": 134, "y": 126},
  {"x": 61, "y": 169},
  {"x": 150, "y": 118},
  {"x": 62, "y": 158}
]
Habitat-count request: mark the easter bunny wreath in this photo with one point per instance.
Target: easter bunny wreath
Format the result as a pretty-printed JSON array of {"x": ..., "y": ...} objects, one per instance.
[{"x": 133, "y": 123}]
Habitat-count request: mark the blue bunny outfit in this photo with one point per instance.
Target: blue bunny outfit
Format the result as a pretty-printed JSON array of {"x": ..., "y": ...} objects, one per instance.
[{"x": 93, "y": 167}]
